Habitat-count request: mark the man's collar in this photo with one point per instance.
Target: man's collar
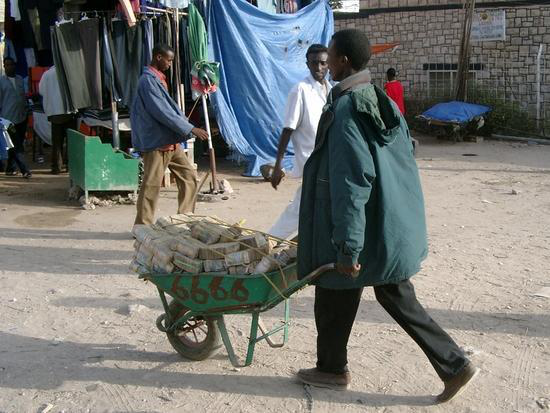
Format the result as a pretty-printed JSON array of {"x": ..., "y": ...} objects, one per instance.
[{"x": 351, "y": 82}]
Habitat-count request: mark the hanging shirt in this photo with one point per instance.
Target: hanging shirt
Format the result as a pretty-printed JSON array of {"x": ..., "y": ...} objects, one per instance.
[
  {"x": 303, "y": 110},
  {"x": 50, "y": 91},
  {"x": 394, "y": 90},
  {"x": 162, "y": 77}
]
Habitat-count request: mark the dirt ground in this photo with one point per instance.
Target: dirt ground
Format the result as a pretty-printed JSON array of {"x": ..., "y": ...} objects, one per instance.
[{"x": 68, "y": 343}]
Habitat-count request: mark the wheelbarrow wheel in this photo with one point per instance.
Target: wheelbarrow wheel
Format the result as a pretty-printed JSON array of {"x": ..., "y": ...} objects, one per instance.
[{"x": 198, "y": 338}]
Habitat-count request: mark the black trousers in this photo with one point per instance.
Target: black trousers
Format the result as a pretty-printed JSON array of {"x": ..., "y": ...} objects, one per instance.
[
  {"x": 16, "y": 155},
  {"x": 60, "y": 124},
  {"x": 335, "y": 312}
]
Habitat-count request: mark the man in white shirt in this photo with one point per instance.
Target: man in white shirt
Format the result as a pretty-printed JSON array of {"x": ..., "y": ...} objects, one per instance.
[
  {"x": 61, "y": 121},
  {"x": 303, "y": 110}
]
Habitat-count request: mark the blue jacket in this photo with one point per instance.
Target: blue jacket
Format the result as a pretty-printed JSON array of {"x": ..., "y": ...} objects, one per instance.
[
  {"x": 156, "y": 118},
  {"x": 13, "y": 105}
]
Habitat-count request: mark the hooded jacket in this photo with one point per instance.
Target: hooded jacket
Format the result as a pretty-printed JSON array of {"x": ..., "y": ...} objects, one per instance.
[
  {"x": 362, "y": 200},
  {"x": 156, "y": 119}
]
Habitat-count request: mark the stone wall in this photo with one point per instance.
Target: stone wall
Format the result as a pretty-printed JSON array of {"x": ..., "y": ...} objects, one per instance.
[{"x": 427, "y": 38}]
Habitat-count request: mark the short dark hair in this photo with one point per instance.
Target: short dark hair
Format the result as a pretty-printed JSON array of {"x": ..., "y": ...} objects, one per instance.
[
  {"x": 162, "y": 49},
  {"x": 355, "y": 45},
  {"x": 391, "y": 73},
  {"x": 316, "y": 48},
  {"x": 9, "y": 59}
]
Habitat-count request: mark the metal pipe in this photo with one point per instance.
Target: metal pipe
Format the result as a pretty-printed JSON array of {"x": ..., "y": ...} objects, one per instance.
[
  {"x": 210, "y": 147},
  {"x": 538, "y": 80}
]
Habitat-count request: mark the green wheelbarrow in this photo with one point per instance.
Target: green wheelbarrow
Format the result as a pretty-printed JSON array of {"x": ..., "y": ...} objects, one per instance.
[{"x": 194, "y": 318}]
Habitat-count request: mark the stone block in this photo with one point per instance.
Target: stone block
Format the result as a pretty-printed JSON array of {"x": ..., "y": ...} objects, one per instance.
[{"x": 521, "y": 12}]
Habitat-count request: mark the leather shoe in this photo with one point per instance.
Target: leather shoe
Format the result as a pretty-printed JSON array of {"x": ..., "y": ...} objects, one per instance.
[
  {"x": 317, "y": 378},
  {"x": 458, "y": 383}
]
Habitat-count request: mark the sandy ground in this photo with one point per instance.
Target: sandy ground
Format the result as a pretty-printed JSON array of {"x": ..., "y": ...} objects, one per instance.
[{"x": 67, "y": 342}]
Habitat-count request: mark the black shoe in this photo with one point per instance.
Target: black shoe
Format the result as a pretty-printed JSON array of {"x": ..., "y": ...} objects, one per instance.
[{"x": 27, "y": 175}]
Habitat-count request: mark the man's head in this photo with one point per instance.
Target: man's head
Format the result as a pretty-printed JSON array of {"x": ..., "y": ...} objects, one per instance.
[
  {"x": 163, "y": 56},
  {"x": 348, "y": 53},
  {"x": 9, "y": 66},
  {"x": 391, "y": 74},
  {"x": 317, "y": 56}
]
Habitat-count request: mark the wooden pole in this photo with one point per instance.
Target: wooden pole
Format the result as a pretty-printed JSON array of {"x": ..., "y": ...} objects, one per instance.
[{"x": 210, "y": 147}]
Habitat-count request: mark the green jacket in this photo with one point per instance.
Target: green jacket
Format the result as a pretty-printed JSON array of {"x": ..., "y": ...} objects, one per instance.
[{"x": 361, "y": 195}]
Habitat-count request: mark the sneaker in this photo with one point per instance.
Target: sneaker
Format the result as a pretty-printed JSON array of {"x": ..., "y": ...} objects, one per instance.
[
  {"x": 458, "y": 384},
  {"x": 318, "y": 378},
  {"x": 27, "y": 175}
]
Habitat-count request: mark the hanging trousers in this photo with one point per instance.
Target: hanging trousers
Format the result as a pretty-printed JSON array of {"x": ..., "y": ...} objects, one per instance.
[
  {"x": 16, "y": 155},
  {"x": 88, "y": 31},
  {"x": 335, "y": 312},
  {"x": 154, "y": 166}
]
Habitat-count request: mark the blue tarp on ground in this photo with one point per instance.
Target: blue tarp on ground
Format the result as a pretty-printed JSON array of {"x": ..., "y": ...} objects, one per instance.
[
  {"x": 459, "y": 112},
  {"x": 262, "y": 56}
]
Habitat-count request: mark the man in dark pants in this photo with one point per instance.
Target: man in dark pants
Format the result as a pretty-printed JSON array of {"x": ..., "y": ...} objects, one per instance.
[
  {"x": 13, "y": 107},
  {"x": 362, "y": 208},
  {"x": 60, "y": 120}
]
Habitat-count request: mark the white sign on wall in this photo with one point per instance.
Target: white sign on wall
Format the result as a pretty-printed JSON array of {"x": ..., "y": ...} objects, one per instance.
[
  {"x": 488, "y": 25},
  {"x": 347, "y": 6}
]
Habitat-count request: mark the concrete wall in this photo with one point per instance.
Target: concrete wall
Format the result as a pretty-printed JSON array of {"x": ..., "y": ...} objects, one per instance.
[{"x": 434, "y": 37}]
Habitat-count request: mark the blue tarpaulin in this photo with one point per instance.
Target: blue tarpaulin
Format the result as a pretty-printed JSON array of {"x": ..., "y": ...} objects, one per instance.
[
  {"x": 458, "y": 112},
  {"x": 261, "y": 55}
]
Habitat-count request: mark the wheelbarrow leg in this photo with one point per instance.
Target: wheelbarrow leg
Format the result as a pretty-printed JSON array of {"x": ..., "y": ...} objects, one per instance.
[
  {"x": 251, "y": 341},
  {"x": 287, "y": 321}
]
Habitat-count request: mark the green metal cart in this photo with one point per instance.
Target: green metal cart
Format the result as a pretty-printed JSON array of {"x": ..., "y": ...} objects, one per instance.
[
  {"x": 194, "y": 319},
  {"x": 96, "y": 166}
]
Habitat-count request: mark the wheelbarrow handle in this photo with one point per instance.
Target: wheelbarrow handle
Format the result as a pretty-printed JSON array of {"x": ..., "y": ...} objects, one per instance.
[
  {"x": 316, "y": 273},
  {"x": 322, "y": 269}
]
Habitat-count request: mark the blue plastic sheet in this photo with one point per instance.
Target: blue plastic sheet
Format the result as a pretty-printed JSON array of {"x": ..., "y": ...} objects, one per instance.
[
  {"x": 262, "y": 56},
  {"x": 458, "y": 112}
]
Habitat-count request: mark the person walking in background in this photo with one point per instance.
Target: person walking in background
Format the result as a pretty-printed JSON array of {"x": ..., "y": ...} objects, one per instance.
[
  {"x": 302, "y": 113},
  {"x": 394, "y": 89},
  {"x": 13, "y": 107},
  {"x": 55, "y": 111},
  {"x": 158, "y": 126}
]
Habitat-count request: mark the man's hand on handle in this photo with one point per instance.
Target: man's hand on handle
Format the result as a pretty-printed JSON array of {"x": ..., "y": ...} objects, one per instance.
[
  {"x": 200, "y": 133},
  {"x": 349, "y": 270}
]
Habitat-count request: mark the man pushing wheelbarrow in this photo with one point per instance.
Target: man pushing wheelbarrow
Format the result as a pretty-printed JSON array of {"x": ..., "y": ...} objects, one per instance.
[{"x": 362, "y": 208}]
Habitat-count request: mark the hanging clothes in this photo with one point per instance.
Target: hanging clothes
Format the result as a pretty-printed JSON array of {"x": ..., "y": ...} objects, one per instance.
[
  {"x": 111, "y": 83},
  {"x": 148, "y": 41},
  {"x": 88, "y": 31},
  {"x": 128, "y": 57},
  {"x": 73, "y": 65},
  {"x": 185, "y": 58}
]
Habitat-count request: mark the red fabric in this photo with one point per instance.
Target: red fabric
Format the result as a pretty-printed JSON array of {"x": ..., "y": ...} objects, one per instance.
[
  {"x": 162, "y": 77},
  {"x": 394, "y": 90}
]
